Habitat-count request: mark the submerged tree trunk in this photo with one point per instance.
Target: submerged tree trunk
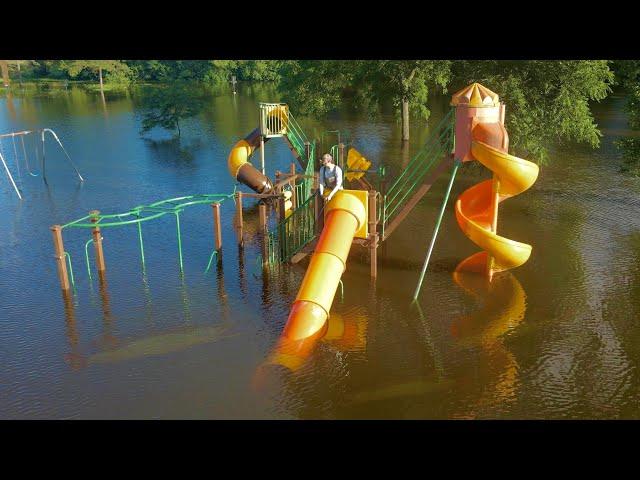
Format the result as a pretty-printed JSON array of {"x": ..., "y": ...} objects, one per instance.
[
  {"x": 101, "y": 84},
  {"x": 4, "y": 65},
  {"x": 406, "y": 85},
  {"x": 405, "y": 120},
  {"x": 104, "y": 101}
]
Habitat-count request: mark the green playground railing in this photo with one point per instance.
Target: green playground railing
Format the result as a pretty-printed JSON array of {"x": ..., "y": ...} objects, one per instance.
[
  {"x": 439, "y": 143},
  {"x": 292, "y": 234},
  {"x": 296, "y": 136},
  {"x": 144, "y": 213}
]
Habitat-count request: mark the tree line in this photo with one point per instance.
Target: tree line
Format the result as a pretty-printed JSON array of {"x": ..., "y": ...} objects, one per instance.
[{"x": 549, "y": 101}]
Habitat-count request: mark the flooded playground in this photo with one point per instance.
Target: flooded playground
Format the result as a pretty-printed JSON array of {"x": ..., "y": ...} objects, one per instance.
[{"x": 554, "y": 338}]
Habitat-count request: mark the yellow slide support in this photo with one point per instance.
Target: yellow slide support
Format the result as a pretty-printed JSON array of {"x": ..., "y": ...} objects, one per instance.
[{"x": 477, "y": 209}]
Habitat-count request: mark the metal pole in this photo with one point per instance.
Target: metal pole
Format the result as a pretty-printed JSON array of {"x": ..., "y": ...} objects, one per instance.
[
  {"x": 10, "y": 177},
  {"x": 240, "y": 220},
  {"x": 60, "y": 257},
  {"x": 437, "y": 227},
  {"x": 294, "y": 197},
  {"x": 317, "y": 210},
  {"x": 373, "y": 235},
  {"x": 44, "y": 173},
  {"x": 495, "y": 200},
  {"x": 307, "y": 151},
  {"x": 179, "y": 240},
  {"x": 141, "y": 244},
  {"x": 63, "y": 149},
  {"x": 262, "y": 153}
]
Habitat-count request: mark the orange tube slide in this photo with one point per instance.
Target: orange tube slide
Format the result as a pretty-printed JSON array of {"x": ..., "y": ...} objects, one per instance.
[
  {"x": 240, "y": 168},
  {"x": 310, "y": 310}
]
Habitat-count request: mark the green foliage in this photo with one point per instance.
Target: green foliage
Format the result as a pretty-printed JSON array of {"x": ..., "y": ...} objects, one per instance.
[
  {"x": 113, "y": 71},
  {"x": 633, "y": 106},
  {"x": 221, "y": 71},
  {"x": 259, "y": 70},
  {"x": 206, "y": 71},
  {"x": 125, "y": 71},
  {"x": 630, "y": 148},
  {"x": 317, "y": 87},
  {"x": 627, "y": 72},
  {"x": 628, "y": 75},
  {"x": 547, "y": 101},
  {"x": 50, "y": 69},
  {"x": 166, "y": 106},
  {"x": 396, "y": 80}
]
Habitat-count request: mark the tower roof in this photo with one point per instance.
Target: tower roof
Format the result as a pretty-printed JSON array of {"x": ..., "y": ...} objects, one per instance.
[{"x": 475, "y": 95}]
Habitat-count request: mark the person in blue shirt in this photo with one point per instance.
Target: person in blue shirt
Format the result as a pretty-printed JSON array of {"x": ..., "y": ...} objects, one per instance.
[{"x": 330, "y": 177}]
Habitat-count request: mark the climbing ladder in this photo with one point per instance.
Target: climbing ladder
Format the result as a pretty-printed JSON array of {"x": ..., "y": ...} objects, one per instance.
[
  {"x": 299, "y": 143},
  {"x": 418, "y": 176},
  {"x": 298, "y": 229}
]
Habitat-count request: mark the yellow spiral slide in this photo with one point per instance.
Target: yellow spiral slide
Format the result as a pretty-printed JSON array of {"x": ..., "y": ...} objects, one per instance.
[{"x": 477, "y": 208}]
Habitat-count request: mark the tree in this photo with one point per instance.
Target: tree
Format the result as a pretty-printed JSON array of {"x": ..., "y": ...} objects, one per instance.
[
  {"x": 318, "y": 86},
  {"x": 628, "y": 76},
  {"x": 547, "y": 101},
  {"x": 405, "y": 83},
  {"x": 315, "y": 87},
  {"x": 166, "y": 106},
  {"x": 115, "y": 70}
]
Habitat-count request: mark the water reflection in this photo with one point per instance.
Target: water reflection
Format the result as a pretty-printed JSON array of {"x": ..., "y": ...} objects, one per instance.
[
  {"x": 173, "y": 151},
  {"x": 344, "y": 332},
  {"x": 73, "y": 356},
  {"x": 504, "y": 307},
  {"x": 107, "y": 339},
  {"x": 572, "y": 355}
]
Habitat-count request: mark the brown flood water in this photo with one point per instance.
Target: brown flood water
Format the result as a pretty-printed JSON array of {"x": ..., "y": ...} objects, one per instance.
[{"x": 555, "y": 338}]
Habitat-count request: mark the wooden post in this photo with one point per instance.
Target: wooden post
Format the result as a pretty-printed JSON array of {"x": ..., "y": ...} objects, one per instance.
[
  {"x": 239, "y": 225},
  {"x": 341, "y": 155},
  {"x": 373, "y": 234},
  {"x": 217, "y": 229},
  {"x": 281, "y": 209},
  {"x": 294, "y": 197},
  {"x": 97, "y": 242},
  {"x": 262, "y": 210},
  {"x": 60, "y": 257},
  {"x": 319, "y": 212}
]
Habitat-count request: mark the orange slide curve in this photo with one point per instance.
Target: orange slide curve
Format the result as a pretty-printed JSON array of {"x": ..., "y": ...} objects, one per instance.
[{"x": 477, "y": 208}]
